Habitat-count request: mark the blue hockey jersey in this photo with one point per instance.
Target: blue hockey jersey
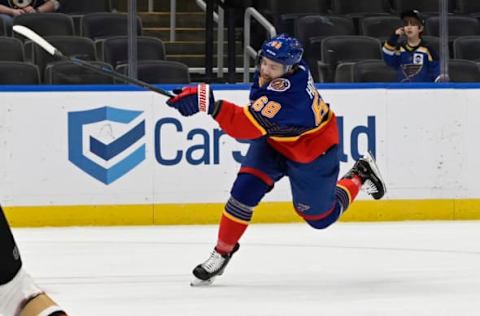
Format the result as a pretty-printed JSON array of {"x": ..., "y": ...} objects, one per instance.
[
  {"x": 289, "y": 111},
  {"x": 413, "y": 64}
]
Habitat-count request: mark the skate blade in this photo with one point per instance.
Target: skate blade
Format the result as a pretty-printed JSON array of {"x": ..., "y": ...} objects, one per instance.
[{"x": 196, "y": 282}]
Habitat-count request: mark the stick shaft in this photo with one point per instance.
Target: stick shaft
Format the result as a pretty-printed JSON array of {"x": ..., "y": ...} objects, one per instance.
[
  {"x": 39, "y": 40},
  {"x": 118, "y": 76}
]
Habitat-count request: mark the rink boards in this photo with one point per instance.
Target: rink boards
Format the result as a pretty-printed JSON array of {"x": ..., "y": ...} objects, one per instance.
[{"x": 114, "y": 155}]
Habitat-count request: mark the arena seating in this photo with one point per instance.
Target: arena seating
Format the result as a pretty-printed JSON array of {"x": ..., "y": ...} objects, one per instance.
[
  {"x": 427, "y": 7},
  {"x": 11, "y": 49},
  {"x": 461, "y": 70},
  {"x": 347, "y": 49},
  {"x": 46, "y": 24},
  {"x": 85, "y": 6},
  {"x": 101, "y": 25},
  {"x": 159, "y": 71},
  {"x": 64, "y": 72},
  {"x": 457, "y": 26},
  {"x": 467, "y": 47},
  {"x": 468, "y": 7},
  {"x": 79, "y": 47},
  {"x": 380, "y": 27},
  {"x": 360, "y": 8},
  {"x": 14, "y": 72},
  {"x": 373, "y": 71},
  {"x": 3, "y": 28},
  {"x": 101, "y": 36},
  {"x": 114, "y": 50}
]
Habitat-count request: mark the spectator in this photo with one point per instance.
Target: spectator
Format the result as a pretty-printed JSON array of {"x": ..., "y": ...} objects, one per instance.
[
  {"x": 11, "y": 8},
  {"x": 413, "y": 59}
]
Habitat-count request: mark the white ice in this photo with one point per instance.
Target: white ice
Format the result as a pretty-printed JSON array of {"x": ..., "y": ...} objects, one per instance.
[{"x": 403, "y": 268}]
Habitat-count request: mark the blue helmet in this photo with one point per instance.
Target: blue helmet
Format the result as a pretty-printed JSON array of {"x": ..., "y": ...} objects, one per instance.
[{"x": 283, "y": 49}]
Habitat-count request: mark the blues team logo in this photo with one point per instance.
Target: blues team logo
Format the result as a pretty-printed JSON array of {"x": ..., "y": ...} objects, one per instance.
[
  {"x": 279, "y": 85},
  {"x": 106, "y": 142}
]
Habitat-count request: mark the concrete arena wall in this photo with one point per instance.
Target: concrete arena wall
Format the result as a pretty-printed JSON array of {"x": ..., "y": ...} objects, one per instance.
[{"x": 115, "y": 155}]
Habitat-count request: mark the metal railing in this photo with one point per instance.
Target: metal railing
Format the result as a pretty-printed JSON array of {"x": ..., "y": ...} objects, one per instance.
[
  {"x": 173, "y": 19},
  {"x": 219, "y": 18},
  {"x": 248, "y": 50}
]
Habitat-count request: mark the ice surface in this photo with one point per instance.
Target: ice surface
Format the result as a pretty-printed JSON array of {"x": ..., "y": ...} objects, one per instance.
[{"x": 403, "y": 268}]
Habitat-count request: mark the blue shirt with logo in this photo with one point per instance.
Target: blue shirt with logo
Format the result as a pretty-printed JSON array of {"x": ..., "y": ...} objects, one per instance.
[{"x": 413, "y": 64}]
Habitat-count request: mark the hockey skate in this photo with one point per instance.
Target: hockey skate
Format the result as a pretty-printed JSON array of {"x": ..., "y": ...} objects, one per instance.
[
  {"x": 205, "y": 273},
  {"x": 367, "y": 169}
]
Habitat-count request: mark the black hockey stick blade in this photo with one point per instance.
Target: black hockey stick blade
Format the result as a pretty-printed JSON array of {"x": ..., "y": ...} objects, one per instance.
[{"x": 37, "y": 39}]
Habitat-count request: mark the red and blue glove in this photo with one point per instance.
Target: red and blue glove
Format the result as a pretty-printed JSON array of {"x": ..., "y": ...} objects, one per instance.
[{"x": 191, "y": 100}]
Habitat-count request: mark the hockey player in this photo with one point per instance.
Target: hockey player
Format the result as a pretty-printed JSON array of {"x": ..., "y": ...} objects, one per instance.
[
  {"x": 19, "y": 296},
  {"x": 414, "y": 60},
  {"x": 293, "y": 133}
]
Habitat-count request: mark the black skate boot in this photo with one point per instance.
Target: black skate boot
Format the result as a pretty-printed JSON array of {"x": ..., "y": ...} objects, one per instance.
[
  {"x": 367, "y": 170},
  {"x": 205, "y": 273}
]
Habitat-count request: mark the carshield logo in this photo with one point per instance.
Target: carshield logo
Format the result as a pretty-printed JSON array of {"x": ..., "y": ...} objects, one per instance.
[{"x": 100, "y": 145}]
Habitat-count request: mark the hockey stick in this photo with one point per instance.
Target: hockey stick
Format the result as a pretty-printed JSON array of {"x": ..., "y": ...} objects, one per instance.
[{"x": 37, "y": 39}]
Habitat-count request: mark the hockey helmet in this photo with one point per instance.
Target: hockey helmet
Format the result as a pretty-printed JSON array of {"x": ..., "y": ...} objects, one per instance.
[
  {"x": 283, "y": 49},
  {"x": 413, "y": 14}
]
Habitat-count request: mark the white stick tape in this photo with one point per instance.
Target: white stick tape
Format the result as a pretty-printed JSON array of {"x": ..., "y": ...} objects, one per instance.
[{"x": 31, "y": 35}]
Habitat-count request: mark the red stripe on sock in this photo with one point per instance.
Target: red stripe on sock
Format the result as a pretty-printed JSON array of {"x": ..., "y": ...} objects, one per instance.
[
  {"x": 352, "y": 185},
  {"x": 229, "y": 234}
]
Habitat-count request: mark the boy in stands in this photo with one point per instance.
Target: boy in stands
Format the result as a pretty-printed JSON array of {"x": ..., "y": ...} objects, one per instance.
[{"x": 414, "y": 60}]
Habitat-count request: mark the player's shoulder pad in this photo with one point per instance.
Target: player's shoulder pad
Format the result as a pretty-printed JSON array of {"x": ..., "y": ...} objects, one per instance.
[{"x": 279, "y": 85}]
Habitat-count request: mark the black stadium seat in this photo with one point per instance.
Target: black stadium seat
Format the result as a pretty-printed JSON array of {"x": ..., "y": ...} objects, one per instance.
[
  {"x": 381, "y": 27},
  {"x": 359, "y": 8},
  {"x": 3, "y": 28},
  {"x": 12, "y": 72},
  {"x": 85, "y": 6},
  {"x": 11, "y": 49},
  {"x": 104, "y": 24},
  {"x": 311, "y": 30},
  {"x": 348, "y": 48},
  {"x": 46, "y": 24},
  {"x": 283, "y": 13},
  {"x": 471, "y": 7},
  {"x": 461, "y": 70},
  {"x": 64, "y": 72},
  {"x": 426, "y": 7},
  {"x": 160, "y": 71},
  {"x": 316, "y": 26},
  {"x": 75, "y": 46},
  {"x": 114, "y": 50},
  {"x": 373, "y": 71},
  {"x": 467, "y": 47},
  {"x": 457, "y": 26},
  {"x": 433, "y": 42},
  {"x": 344, "y": 72}
]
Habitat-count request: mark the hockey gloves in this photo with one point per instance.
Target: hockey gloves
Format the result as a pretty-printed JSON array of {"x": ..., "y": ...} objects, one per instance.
[{"x": 191, "y": 100}]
